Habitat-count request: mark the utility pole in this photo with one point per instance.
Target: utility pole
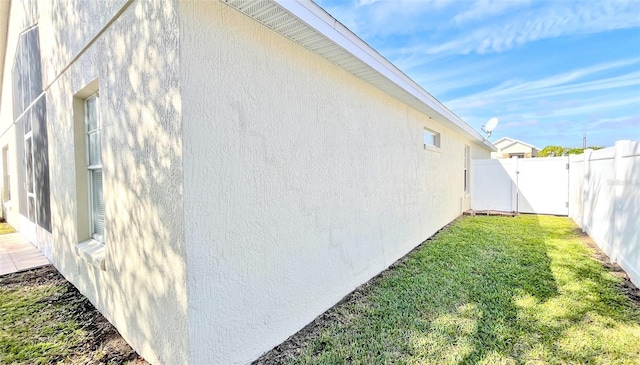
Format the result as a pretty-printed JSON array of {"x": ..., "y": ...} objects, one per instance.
[{"x": 584, "y": 140}]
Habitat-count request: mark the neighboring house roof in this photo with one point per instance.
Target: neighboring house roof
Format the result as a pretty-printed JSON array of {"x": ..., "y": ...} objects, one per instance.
[
  {"x": 511, "y": 142},
  {"x": 312, "y": 27}
]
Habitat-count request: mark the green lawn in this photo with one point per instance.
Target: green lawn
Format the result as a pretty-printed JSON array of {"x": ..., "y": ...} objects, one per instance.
[
  {"x": 45, "y": 320},
  {"x": 35, "y": 326},
  {"x": 487, "y": 290}
]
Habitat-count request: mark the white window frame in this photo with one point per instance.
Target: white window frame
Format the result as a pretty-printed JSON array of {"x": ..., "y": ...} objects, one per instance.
[
  {"x": 91, "y": 169},
  {"x": 431, "y": 143}
]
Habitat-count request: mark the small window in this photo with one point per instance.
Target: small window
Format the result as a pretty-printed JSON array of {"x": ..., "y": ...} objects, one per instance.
[
  {"x": 94, "y": 166},
  {"x": 518, "y": 155},
  {"x": 431, "y": 139},
  {"x": 466, "y": 168}
]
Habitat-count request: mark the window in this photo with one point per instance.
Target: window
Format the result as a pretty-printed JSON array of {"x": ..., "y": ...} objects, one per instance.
[
  {"x": 431, "y": 139},
  {"x": 467, "y": 156},
  {"x": 94, "y": 166},
  {"x": 518, "y": 155},
  {"x": 6, "y": 178}
]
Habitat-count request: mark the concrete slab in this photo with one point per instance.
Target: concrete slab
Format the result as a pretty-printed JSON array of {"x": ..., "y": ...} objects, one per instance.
[{"x": 18, "y": 254}]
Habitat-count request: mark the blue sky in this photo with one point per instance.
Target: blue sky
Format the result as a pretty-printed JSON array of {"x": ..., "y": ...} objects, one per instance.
[{"x": 548, "y": 70}]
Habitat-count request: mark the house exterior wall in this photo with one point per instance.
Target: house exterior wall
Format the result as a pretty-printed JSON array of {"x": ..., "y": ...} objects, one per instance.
[
  {"x": 128, "y": 51},
  {"x": 507, "y": 148},
  {"x": 517, "y": 148},
  {"x": 23, "y": 16},
  {"x": 301, "y": 182},
  {"x": 297, "y": 181}
]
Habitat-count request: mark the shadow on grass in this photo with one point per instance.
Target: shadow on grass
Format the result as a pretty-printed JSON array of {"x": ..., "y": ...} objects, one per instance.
[
  {"x": 532, "y": 296},
  {"x": 505, "y": 266},
  {"x": 489, "y": 271},
  {"x": 485, "y": 290}
]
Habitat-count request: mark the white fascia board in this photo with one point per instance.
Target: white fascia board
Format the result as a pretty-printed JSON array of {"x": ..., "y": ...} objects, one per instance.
[{"x": 317, "y": 18}]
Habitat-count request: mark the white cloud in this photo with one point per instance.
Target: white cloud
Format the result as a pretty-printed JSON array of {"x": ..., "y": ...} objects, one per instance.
[
  {"x": 555, "y": 85},
  {"x": 365, "y": 2},
  {"x": 383, "y": 18},
  {"x": 554, "y": 20},
  {"x": 482, "y": 9},
  {"x": 428, "y": 39}
]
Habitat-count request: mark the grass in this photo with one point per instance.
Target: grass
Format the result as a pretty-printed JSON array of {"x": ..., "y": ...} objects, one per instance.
[
  {"x": 6, "y": 228},
  {"x": 35, "y": 326},
  {"x": 487, "y": 290},
  {"x": 45, "y": 320}
]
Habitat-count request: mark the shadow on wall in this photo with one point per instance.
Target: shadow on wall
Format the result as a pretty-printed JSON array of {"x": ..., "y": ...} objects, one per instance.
[
  {"x": 143, "y": 289},
  {"x": 627, "y": 225},
  {"x": 600, "y": 199},
  {"x": 29, "y": 114},
  {"x": 611, "y": 199}
]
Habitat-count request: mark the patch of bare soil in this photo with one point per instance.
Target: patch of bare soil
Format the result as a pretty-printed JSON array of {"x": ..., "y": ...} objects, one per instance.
[
  {"x": 102, "y": 344},
  {"x": 625, "y": 285}
]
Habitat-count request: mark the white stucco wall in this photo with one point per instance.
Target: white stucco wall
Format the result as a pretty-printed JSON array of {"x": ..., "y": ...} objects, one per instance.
[
  {"x": 23, "y": 15},
  {"x": 301, "y": 182},
  {"x": 142, "y": 290}
]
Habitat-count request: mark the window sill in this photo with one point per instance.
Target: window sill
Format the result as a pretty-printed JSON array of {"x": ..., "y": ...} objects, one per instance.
[
  {"x": 93, "y": 252},
  {"x": 431, "y": 148}
]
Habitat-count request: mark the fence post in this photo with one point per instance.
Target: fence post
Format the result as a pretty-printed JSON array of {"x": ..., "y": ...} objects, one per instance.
[
  {"x": 585, "y": 187},
  {"x": 618, "y": 202},
  {"x": 516, "y": 173}
]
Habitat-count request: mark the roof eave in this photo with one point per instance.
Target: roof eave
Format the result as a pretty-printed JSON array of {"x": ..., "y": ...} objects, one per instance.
[{"x": 392, "y": 81}]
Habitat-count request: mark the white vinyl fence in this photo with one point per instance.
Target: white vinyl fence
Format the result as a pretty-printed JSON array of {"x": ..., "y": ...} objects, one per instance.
[
  {"x": 604, "y": 200},
  {"x": 599, "y": 190},
  {"x": 531, "y": 185}
]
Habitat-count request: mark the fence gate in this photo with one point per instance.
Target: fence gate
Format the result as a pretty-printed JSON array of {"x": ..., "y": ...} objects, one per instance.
[{"x": 524, "y": 185}]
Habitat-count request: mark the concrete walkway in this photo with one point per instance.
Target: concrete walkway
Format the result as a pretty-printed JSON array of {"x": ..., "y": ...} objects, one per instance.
[{"x": 18, "y": 254}]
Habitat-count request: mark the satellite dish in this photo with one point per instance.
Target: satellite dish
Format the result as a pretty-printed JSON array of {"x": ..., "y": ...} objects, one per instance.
[{"x": 491, "y": 125}]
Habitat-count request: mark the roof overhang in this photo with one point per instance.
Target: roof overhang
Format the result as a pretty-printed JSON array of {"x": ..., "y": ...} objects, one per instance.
[{"x": 312, "y": 27}]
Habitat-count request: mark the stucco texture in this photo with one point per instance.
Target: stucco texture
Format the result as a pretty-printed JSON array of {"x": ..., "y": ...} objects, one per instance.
[
  {"x": 249, "y": 184},
  {"x": 23, "y": 15},
  {"x": 142, "y": 290},
  {"x": 301, "y": 182}
]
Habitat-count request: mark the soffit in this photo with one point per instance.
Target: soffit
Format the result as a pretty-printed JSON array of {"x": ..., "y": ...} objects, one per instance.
[{"x": 313, "y": 28}]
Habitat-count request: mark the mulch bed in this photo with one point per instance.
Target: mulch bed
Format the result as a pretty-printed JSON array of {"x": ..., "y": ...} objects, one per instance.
[{"x": 102, "y": 338}]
